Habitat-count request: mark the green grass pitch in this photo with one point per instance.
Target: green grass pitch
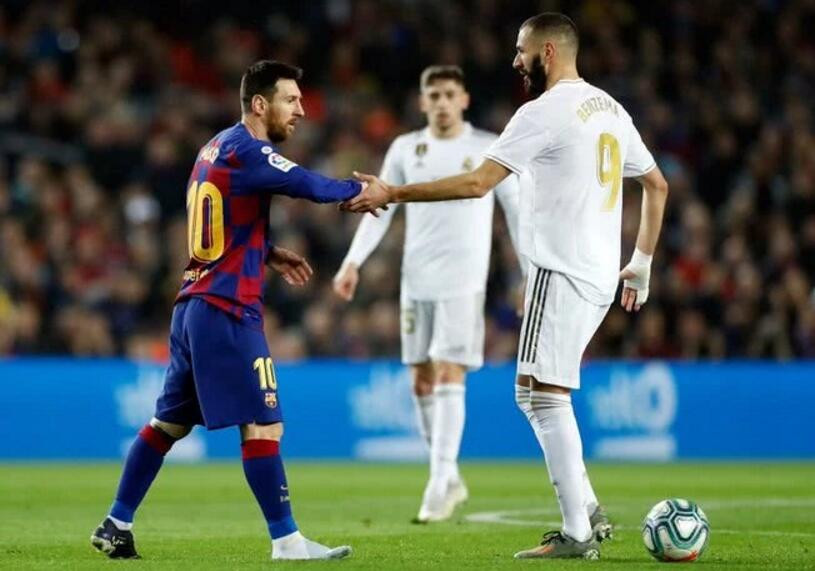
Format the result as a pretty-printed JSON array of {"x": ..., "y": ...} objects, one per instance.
[{"x": 204, "y": 517}]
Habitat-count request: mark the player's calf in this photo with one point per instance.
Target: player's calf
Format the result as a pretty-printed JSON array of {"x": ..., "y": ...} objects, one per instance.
[
  {"x": 145, "y": 458},
  {"x": 266, "y": 476}
]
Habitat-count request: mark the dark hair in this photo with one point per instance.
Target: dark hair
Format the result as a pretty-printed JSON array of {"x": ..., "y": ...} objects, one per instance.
[
  {"x": 554, "y": 23},
  {"x": 261, "y": 77},
  {"x": 436, "y": 72}
]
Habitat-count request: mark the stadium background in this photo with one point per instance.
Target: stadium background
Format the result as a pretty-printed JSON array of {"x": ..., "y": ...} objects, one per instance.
[{"x": 103, "y": 106}]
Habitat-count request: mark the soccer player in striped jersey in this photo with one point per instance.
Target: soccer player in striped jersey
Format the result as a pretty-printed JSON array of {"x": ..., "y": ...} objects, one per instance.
[
  {"x": 579, "y": 144},
  {"x": 444, "y": 274},
  {"x": 221, "y": 372}
]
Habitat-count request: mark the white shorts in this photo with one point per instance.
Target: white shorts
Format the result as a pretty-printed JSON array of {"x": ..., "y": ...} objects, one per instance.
[
  {"x": 450, "y": 330},
  {"x": 558, "y": 325}
]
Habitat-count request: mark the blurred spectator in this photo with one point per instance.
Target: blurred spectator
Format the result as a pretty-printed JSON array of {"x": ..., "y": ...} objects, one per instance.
[{"x": 104, "y": 105}]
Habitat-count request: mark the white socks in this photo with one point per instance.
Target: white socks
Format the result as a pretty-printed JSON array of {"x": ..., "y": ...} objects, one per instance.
[
  {"x": 424, "y": 415},
  {"x": 552, "y": 419},
  {"x": 588, "y": 492},
  {"x": 447, "y": 428},
  {"x": 522, "y": 398}
]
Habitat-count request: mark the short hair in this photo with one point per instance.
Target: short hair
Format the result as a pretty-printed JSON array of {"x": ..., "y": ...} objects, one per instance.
[
  {"x": 261, "y": 77},
  {"x": 437, "y": 72},
  {"x": 554, "y": 23}
]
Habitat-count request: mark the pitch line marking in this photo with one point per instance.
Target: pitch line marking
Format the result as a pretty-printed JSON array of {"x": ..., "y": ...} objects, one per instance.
[{"x": 511, "y": 517}]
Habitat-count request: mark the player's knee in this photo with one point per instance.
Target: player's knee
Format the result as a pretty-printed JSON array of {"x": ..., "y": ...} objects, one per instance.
[
  {"x": 262, "y": 431},
  {"x": 422, "y": 379},
  {"x": 524, "y": 381},
  {"x": 175, "y": 431},
  {"x": 449, "y": 373},
  {"x": 537, "y": 386}
]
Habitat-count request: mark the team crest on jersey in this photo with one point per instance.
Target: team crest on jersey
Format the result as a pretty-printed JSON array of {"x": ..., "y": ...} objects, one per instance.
[
  {"x": 280, "y": 162},
  {"x": 421, "y": 150},
  {"x": 468, "y": 164},
  {"x": 271, "y": 400}
]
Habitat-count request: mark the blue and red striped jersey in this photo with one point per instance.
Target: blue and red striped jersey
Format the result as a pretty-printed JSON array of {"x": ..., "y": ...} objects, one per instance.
[{"x": 228, "y": 199}]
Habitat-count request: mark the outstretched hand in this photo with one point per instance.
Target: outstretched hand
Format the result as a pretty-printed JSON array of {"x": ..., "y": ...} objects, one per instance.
[
  {"x": 375, "y": 194},
  {"x": 293, "y": 267}
]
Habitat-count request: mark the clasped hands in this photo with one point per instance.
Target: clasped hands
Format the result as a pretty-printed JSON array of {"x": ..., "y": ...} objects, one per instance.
[{"x": 375, "y": 195}]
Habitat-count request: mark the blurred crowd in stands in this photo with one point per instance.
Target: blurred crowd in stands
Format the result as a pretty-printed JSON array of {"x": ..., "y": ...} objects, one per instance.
[{"x": 103, "y": 106}]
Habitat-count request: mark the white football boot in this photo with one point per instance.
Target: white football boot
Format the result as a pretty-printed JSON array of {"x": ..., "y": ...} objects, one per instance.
[
  {"x": 297, "y": 547},
  {"x": 440, "y": 500}
]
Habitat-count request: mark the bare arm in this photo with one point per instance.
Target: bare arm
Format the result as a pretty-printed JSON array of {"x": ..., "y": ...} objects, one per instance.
[
  {"x": 637, "y": 273},
  {"x": 654, "y": 196},
  {"x": 473, "y": 184}
]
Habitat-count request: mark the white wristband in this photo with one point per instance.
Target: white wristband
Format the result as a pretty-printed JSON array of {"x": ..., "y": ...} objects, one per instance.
[{"x": 640, "y": 258}]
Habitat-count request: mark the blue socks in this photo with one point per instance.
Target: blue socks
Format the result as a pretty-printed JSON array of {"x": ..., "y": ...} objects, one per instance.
[
  {"x": 141, "y": 466},
  {"x": 261, "y": 464},
  {"x": 264, "y": 471}
]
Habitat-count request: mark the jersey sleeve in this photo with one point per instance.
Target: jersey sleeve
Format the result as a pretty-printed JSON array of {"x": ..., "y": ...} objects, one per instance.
[
  {"x": 524, "y": 137},
  {"x": 508, "y": 193},
  {"x": 368, "y": 235},
  {"x": 265, "y": 170},
  {"x": 638, "y": 159},
  {"x": 372, "y": 229},
  {"x": 393, "y": 171}
]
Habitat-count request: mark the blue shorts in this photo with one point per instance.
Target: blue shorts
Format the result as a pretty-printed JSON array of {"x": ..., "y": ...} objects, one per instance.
[{"x": 220, "y": 371}]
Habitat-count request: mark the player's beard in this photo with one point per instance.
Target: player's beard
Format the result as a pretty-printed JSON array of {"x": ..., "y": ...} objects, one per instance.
[
  {"x": 535, "y": 79},
  {"x": 276, "y": 131}
]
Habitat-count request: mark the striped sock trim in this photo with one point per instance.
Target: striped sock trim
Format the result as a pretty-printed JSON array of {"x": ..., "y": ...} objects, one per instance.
[
  {"x": 448, "y": 389},
  {"x": 157, "y": 439},
  {"x": 258, "y": 448},
  {"x": 545, "y": 399}
]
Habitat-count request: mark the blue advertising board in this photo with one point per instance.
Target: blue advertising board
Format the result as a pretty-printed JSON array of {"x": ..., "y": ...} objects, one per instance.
[{"x": 59, "y": 409}]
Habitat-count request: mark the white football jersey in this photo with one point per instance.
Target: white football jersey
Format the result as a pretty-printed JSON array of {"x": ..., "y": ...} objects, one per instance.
[
  {"x": 577, "y": 143},
  {"x": 447, "y": 244}
]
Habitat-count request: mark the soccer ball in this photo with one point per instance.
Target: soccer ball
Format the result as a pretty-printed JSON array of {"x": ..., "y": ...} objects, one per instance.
[{"x": 676, "y": 530}]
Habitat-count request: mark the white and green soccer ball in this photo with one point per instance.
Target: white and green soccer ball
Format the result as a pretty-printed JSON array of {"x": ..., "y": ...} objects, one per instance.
[{"x": 676, "y": 530}]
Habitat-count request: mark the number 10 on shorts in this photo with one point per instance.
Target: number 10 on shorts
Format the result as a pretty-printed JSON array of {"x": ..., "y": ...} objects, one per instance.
[{"x": 266, "y": 376}]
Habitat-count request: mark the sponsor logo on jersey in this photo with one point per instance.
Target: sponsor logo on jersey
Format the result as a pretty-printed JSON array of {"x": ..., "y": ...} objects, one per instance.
[
  {"x": 210, "y": 153},
  {"x": 280, "y": 162},
  {"x": 194, "y": 275}
]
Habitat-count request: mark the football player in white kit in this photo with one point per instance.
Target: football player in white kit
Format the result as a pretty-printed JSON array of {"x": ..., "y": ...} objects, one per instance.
[
  {"x": 578, "y": 143},
  {"x": 444, "y": 273}
]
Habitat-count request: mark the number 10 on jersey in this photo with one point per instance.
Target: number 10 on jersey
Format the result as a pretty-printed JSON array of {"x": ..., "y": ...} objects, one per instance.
[
  {"x": 205, "y": 222},
  {"x": 609, "y": 168}
]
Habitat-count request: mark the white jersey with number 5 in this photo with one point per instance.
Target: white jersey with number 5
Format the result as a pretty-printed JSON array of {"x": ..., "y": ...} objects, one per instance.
[{"x": 578, "y": 143}]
